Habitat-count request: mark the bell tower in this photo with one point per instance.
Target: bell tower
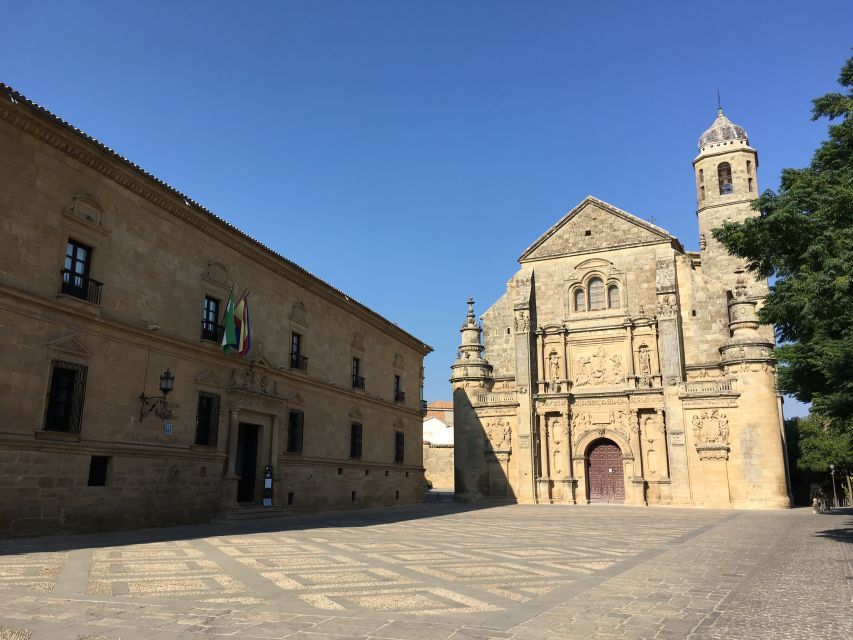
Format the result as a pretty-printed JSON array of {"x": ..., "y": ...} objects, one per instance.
[{"x": 726, "y": 183}]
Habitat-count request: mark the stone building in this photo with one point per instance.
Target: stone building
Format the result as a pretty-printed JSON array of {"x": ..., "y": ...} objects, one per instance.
[
  {"x": 113, "y": 285},
  {"x": 619, "y": 367},
  {"x": 438, "y": 445}
]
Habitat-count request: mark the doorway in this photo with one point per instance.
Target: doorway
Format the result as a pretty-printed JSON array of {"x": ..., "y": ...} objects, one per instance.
[
  {"x": 604, "y": 473},
  {"x": 246, "y": 464}
]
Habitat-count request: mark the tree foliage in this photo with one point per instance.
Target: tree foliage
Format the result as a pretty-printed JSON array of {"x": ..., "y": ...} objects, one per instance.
[
  {"x": 815, "y": 443},
  {"x": 804, "y": 238}
]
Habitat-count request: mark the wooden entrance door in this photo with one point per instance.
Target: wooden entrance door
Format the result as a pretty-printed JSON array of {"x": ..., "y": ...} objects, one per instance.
[
  {"x": 604, "y": 471},
  {"x": 247, "y": 461}
]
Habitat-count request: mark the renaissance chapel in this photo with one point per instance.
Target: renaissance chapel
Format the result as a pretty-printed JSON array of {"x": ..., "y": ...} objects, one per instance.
[{"x": 620, "y": 368}]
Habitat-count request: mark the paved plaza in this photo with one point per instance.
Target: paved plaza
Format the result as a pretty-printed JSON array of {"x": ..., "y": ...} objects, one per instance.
[{"x": 444, "y": 571}]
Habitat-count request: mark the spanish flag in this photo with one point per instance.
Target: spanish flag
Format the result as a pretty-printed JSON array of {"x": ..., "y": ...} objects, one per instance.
[{"x": 241, "y": 325}]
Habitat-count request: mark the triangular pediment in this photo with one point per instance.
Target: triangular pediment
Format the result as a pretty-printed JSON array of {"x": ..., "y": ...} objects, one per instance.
[
  {"x": 70, "y": 344},
  {"x": 206, "y": 377},
  {"x": 593, "y": 226}
]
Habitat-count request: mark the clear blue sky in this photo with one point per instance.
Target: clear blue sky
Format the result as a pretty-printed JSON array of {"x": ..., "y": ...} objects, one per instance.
[{"x": 408, "y": 152}]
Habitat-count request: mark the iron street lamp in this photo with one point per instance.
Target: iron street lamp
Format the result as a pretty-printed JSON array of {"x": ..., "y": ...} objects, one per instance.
[
  {"x": 834, "y": 495},
  {"x": 158, "y": 404}
]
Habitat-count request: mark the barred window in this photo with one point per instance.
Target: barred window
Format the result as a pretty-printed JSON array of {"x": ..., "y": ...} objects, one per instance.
[
  {"x": 596, "y": 294},
  {"x": 65, "y": 397},
  {"x": 724, "y": 177},
  {"x": 207, "y": 419},
  {"x": 399, "y": 446},
  {"x": 295, "y": 421},
  {"x": 355, "y": 440}
]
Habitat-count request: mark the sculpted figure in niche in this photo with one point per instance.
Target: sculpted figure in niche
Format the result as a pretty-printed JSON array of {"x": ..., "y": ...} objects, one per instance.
[
  {"x": 554, "y": 366},
  {"x": 645, "y": 361},
  {"x": 599, "y": 364},
  {"x": 616, "y": 373}
]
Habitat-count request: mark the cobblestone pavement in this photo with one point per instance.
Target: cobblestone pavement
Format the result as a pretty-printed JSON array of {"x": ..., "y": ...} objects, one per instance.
[{"x": 441, "y": 572}]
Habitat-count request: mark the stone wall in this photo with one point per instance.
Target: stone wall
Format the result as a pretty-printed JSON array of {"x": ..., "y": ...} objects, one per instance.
[{"x": 438, "y": 465}]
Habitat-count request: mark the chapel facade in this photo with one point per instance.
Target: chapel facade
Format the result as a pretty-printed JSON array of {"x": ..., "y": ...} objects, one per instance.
[{"x": 620, "y": 368}]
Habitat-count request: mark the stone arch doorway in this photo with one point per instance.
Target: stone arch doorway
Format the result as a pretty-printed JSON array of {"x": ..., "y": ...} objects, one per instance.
[{"x": 605, "y": 477}]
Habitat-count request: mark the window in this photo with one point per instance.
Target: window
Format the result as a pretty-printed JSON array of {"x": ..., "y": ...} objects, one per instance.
[
  {"x": 295, "y": 421},
  {"x": 297, "y": 360},
  {"x": 355, "y": 440},
  {"x": 210, "y": 329},
  {"x": 357, "y": 379},
  {"x": 613, "y": 297},
  {"x": 580, "y": 300},
  {"x": 207, "y": 419},
  {"x": 749, "y": 167},
  {"x": 749, "y": 180},
  {"x": 399, "y": 447},
  {"x": 98, "y": 466},
  {"x": 75, "y": 274},
  {"x": 701, "y": 176},
  {"x": 724, "y": 176},
  {"x": 399, "y": 395},
  {"x": 702, "y": 192},
  {"x": 596, "y": 294},
  {"x": 65, "y": 397}
]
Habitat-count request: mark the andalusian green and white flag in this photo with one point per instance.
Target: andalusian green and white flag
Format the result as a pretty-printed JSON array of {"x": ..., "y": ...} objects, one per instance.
[{"x": 229, "y": 336}]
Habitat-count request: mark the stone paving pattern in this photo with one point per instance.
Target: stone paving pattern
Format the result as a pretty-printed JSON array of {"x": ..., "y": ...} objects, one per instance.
[{"x": 441, "y": 572}]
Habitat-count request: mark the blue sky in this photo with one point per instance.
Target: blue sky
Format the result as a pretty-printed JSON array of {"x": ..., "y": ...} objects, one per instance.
[{"x": 408, "y": 152}]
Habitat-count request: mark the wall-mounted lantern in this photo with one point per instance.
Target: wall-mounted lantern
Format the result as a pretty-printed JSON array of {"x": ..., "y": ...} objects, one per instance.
[{"x": 158, "y": 404}]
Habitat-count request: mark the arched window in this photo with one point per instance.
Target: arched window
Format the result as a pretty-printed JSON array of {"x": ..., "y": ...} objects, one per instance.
[
  {"x": 596, "y": 294},
  {"x": 751, "y": 187},
  {"x": 702, "y": 192},
  {"x": 580, "y": 300},
  {"x": 749, "y": 167},
  {"x": 613, "y": 296},
  {"x": 701, "y": 176},
  {"x": 724, "y": 175}
]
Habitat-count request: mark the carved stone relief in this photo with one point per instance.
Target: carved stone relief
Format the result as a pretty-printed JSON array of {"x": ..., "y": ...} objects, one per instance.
[
  {"x": 599, "y": 368},
  {"x": 667, "y": 307},
  {"x": 498, "y": 436},
  {"x": 252, "y": 380},
  {"x": 711, "y": 434},
  {"x": 556, "y": 437},
  {"x": 522, "y": 320}
]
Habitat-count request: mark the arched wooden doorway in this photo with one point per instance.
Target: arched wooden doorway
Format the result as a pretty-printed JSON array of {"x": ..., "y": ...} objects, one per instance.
[{"x": 604, "y": 472}]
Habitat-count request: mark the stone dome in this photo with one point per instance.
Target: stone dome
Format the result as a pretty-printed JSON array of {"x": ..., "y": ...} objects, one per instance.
[{"x": 722, "y": 130}]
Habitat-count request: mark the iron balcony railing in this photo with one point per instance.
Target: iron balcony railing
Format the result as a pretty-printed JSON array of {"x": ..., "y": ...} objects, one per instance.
[
  {"x": 212, "y": 331},
  {"x": 399, "y": 396},
  {"x": 424, "y": 407},
  {"x": 357, "y": 382},
  {"x": 298, "y": 361},
  {"x": 74, "y": 284}
]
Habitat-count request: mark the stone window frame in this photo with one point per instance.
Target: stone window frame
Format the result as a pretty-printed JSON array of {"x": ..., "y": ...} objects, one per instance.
[{"x": 609, "y": 279}]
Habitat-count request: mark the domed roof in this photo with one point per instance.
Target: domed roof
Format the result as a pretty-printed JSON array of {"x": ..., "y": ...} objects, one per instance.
[{"x": 723, "y": 129}]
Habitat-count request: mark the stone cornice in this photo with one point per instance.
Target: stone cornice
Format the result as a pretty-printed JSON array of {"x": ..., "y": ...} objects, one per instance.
[
  {"x": 136, "y": 336},
  {"x": 42, "y": 125}
]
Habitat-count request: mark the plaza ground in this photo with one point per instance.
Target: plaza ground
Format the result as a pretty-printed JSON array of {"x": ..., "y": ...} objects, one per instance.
[{"x": 444, "y": 571}]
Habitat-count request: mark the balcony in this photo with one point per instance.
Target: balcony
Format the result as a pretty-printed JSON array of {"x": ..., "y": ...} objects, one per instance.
[
  {"x": 357, "y": 382},
  {"x": 298, "y": 361},
  {"x": 424, "y": 407},
  {"x": 73, "y": 284},
  {"x": 399, "y": 396},
  {"x": 212, "y": 331}
]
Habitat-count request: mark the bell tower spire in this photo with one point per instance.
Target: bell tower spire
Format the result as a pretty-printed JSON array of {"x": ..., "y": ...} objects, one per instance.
[
  {"x": 726, "y": 184},
  {"x": 471, "y": 369}
]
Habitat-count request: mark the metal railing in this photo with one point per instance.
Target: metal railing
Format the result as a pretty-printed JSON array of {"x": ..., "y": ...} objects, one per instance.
[
  {"x": 212, "y": 331},
  {"x": 73, "y": 284},
  {"x": 399, "y": 396},
  {"x": 357, "y": 382},
  {"x": 298, "y": 361}
]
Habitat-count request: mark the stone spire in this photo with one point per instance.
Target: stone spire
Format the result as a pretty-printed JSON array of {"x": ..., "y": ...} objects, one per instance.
[{"x": 471, "y": 369}]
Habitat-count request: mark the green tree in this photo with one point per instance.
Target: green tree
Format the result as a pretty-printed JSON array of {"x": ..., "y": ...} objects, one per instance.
[
  {"x": 814, "y": 443},
  {"x": 804, "y": 238}
]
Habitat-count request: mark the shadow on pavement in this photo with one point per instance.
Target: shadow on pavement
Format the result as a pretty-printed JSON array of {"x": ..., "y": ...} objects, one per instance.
[
  {"x": 320, "y": 520},
  {"x": 842, "y": 534}
]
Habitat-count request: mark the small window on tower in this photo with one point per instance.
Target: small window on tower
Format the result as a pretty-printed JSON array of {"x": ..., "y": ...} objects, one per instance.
[
  {"x": 749, "y": 167},
  {"x": 588, "y": 232},
  {"x": 702, "y": 192},
  {"x": 724, "y": 176},
  {"x": 751, "y": 187}
]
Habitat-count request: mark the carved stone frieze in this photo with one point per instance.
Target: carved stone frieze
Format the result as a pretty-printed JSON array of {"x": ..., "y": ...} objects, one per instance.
[
  {"x": 498, "y": 434},
  {"x": 253, "y": 380},
  {"x": 710, "y": 433}
]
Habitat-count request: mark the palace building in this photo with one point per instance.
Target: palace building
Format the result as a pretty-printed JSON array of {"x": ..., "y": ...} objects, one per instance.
[
  {"x": 620, "y": 368},
  {"x": 120, "y": 408}
]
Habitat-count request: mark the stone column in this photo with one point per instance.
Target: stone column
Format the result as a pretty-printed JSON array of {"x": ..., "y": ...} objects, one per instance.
[
  {"x": 544, "y": 461},
  {"x": 229, "y": 481},
  {"x": 638, "y": 483},
  {"x": 569, "y": 489}
]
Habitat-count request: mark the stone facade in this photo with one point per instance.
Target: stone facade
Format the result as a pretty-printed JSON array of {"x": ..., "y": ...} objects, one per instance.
[
  {"x": 76, "y": 450},
  {"x": 619, "y": 367},
  {"x": 438, "y": 445}
]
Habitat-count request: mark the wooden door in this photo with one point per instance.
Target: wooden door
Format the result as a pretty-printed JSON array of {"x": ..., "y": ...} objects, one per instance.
[{"x": 604, "y": 471}]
